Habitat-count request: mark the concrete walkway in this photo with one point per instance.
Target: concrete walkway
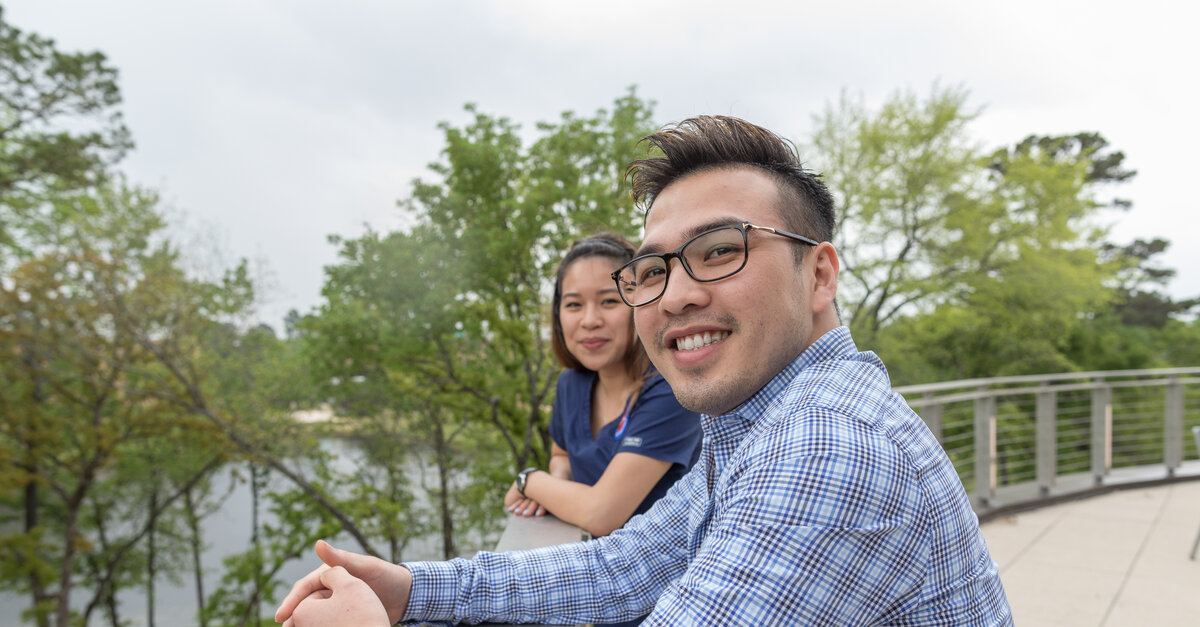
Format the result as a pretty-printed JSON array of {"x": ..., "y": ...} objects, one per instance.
[{"x": 1112, "y": 560}]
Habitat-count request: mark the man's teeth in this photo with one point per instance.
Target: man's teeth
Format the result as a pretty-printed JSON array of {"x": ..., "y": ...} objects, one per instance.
[{"x": 699, "y": 340}]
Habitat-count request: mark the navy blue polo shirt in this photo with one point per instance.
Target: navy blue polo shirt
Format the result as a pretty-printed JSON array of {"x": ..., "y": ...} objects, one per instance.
[{"x": 657, "y": 427}]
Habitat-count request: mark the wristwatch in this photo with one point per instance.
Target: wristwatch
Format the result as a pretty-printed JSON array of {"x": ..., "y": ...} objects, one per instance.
[{"x": 522, "y": 477}]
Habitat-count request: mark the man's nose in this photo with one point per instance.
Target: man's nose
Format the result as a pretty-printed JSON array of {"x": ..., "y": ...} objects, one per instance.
[{"x": 682, "y": 291}]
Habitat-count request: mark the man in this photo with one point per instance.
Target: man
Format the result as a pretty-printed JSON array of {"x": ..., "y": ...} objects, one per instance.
[{"x": 819, "y": 498}]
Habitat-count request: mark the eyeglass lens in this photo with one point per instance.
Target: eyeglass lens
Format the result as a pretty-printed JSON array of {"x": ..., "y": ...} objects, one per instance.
[{"x": 709, "y": 256}]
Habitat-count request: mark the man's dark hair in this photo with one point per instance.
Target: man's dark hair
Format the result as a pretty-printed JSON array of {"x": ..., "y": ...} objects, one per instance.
[{"x": 713, "y": 142}]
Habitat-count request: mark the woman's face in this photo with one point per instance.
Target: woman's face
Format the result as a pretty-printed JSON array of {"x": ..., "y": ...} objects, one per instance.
[{"x": 595, "y": 323}]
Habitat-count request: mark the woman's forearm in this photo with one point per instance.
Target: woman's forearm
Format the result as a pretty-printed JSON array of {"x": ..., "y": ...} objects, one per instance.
[{"x": 605, "y": 506}]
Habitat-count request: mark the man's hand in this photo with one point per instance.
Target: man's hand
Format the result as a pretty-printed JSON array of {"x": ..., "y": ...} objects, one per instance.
[
  {"x": 391, "y": 583},
  {"x": 519, "y": 505},
  {"x": 345, "y": 601}
]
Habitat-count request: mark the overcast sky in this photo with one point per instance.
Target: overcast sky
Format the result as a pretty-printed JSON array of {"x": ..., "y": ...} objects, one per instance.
[{"x": 268, "y": 125}]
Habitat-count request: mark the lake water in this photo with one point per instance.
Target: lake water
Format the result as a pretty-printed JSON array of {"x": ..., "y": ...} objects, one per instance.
[{"x": 226, "y": 532}]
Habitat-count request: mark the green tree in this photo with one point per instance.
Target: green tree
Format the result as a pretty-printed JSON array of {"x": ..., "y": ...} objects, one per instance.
[
  {"x": 136, "y": 517},
  {"x": 380, "y": 348},
  {"x": 113, "y": 359},
  {"x": 251, "y": 576},
  {"x": 1144, "y": 327},
  {"x": 900, "y": 175},
  {"x": 950, "y": 255},
  {"x": 60, "y": 132},
  {"x": 1141, "y": 300},
  {"x": 45, "y": 92},
  {"x": 207, "y": 368},
  {"x": 76, "y": 398}
]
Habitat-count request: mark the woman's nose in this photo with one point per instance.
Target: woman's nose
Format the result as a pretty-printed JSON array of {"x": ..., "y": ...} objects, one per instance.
[{"x": 591, "y": 317}]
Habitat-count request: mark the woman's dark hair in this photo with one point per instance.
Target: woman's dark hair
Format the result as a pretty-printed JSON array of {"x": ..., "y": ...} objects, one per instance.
[
  {"x": 610, "y": 246},
  {"x": 712, "y": 142}
]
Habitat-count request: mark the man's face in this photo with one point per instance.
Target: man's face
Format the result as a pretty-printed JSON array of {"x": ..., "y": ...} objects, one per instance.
[{"x": 756, "y": 321}]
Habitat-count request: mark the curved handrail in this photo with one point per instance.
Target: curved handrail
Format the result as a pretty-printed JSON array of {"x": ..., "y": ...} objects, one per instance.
[
  {"x": 1027, "y": 450},
  {"x": 921, "y": 388}
]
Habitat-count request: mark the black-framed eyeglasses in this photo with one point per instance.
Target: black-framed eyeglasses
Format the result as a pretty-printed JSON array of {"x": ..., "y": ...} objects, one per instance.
[{"x": 710, "y": 256}]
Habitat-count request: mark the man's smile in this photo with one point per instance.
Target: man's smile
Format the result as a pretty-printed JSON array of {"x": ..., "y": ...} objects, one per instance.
[{"x": 699, "y": 340}]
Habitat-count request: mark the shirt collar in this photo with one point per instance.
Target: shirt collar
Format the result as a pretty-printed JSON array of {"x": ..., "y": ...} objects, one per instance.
[{"x": 832, "y": 344}]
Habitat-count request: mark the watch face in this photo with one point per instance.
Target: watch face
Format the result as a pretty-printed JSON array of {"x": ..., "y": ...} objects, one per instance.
[{"x": 521, "y": 479}]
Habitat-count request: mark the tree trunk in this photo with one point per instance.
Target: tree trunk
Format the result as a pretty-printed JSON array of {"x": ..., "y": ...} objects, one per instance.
[
  {"x": 151, "y": 547},
  {"x": 251, "y": 612},
  {"x": 63, "y": 617},
  {"x": 449, "y": 550},
  {"x": 32, "y": 497},
  {"x": 193, "y": 522},
  {"x": 104, "y": 591},
  {"x": 31, "y": 522},
  {"x": 110, "y": 604}
]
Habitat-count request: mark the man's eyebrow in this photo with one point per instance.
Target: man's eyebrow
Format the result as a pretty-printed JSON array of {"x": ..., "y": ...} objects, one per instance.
[{"x": 651, "y": 249}]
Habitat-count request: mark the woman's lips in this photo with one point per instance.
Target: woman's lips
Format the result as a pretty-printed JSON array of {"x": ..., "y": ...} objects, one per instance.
[{"x": 593, "y": 344}]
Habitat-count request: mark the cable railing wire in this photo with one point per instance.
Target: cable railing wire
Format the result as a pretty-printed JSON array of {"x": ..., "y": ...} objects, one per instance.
[{"x": 1049, "y": 435}]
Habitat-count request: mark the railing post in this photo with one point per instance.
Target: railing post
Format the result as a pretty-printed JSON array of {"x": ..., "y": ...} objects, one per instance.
[
  {"x": 1047, "y": 438},
  {"x": 932, "y": 413},
  {"x": 985, "y": 447},
  {"x": 1173, "y": 426},
  {"x": 1101, "y": 430}
]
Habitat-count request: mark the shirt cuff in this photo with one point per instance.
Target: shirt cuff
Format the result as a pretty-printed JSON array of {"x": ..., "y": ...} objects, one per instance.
[{"x": 434, "y": 588}]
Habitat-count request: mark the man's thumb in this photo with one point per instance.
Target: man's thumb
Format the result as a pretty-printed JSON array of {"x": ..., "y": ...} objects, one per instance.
[{"x": 331, "y": 556}]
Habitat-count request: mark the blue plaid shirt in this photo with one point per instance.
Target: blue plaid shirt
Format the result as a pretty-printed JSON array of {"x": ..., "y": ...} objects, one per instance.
[{"x": 823, "y": 499}]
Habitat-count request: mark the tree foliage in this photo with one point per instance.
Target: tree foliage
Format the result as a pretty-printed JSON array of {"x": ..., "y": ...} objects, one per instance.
[
  {"x": 962, "y": 262},
  {"x": 83, "y": 401},
  {"x": 900, "y": 177},
  {"x": 45, "y": 92},
  {"x": 124, "y": 382}
]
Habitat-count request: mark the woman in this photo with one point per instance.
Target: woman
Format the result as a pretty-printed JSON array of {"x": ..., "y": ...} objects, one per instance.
[{"x": 620, "y": 437}]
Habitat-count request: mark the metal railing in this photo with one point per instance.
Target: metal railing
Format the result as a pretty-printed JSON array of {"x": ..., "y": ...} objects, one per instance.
[{"x": 1024, "y": 441}]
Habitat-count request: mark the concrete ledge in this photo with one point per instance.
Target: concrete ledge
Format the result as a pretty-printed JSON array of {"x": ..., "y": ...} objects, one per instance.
[
  {"x": 1026, "y": 496},
  {"x": 537, "y": 531}
]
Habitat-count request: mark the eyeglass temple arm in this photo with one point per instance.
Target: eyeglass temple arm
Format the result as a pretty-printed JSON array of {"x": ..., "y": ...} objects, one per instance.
[{"x": 799, "y": 238}]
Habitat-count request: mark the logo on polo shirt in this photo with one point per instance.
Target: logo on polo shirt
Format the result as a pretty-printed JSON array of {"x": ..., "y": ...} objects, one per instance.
[{"x": 632, "y": 440}]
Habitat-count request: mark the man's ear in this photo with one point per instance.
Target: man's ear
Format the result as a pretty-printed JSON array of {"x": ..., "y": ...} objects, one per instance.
[{"x": 825, "y": 275}]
